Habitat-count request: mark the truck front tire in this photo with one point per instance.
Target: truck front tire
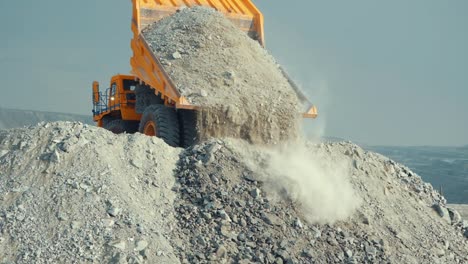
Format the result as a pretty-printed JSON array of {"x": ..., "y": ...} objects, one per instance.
[
  {"x": 119, "y": 126},
  {"x": 162, "y": 122}
]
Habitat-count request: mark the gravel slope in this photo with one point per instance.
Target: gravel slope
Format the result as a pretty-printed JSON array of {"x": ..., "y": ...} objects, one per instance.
[
  {"x": 79, "y": 194},
  {"x": 73, "y": 193}
]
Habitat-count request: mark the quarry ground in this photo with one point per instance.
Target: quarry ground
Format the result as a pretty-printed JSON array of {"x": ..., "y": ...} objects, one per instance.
[{"x": 75, "y": 193}]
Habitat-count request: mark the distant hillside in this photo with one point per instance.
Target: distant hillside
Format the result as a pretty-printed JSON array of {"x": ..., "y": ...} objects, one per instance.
[
  {"x": 12, "y": 118},
  {"x": 445, "y": 167}
]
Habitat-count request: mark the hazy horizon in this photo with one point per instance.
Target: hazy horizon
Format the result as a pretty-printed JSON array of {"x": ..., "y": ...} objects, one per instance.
[
  {"x": 383, "y": 73},
  {"x": 323, "y": 138}
]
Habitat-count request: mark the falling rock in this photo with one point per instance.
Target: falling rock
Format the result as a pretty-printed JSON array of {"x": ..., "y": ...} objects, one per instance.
[
  {"x": 317, "y": 233},
  {"x": 226, "y": 232},
  {"x": 3, "y": 153},
  {"x": 62, "y": 216},
  {"x": 370, "y": 250},
  {"x": 54, "y": 157},
  {"x": 298, "y": 223},
  {"x": 464, "y": 223},
  {"x": 118, "y": 244},
  {"x": 438, "y": 252},
  {"x": 114, "y": 211},
  {"x": 221, "y": 252},
  {"x": 119, "y": 258},
  {"x": 359, "y": 152},
  {"x": 135, "y": 259},
  {"x": 140, "y": 245},
  {"x": 207, "y": 216},
  {"x": 176, "y": 55},
  {"x": 107, "y": 222},
  {"x": 454, "y": 216},
  {"x": 308, "y": 253},
  {"x": 442, "y": 212},
  {"x": 201, "y": 241},
  {"x": 272, "y": 219},
  {"x": 229, "y": 75},
  {"x": 229, "y": 78},
  {"x": 85, "y": 187},
  {"x": 214, "y": 147},
  {"x": 224, "y": 215},
  {"x": 255, "y": 193},
  {"x": 76, "y": 224},
  {"x": 137, "y": 163}
]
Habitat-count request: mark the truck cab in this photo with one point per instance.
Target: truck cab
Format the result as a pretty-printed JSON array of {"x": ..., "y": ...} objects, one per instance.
[{"x": 116, "y": 102}]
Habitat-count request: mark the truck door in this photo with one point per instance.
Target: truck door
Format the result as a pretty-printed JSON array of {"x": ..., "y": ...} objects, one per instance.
[{"x": 113, "y": 98}]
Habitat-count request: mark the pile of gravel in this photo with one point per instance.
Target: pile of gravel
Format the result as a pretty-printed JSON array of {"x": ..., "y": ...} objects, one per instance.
[
  {"x": 226, "y": 215},
  {"x": 217, "y": 66},
  {"x": 74, "y": 193}
]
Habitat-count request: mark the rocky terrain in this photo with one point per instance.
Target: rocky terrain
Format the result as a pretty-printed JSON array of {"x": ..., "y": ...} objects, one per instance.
[
  {"x": 79, "y": 194},
  {"x": 73, "y": 193}
]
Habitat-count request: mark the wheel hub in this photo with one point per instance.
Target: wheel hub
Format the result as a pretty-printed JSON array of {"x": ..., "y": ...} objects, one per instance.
[{"x": 150, "y": 129}]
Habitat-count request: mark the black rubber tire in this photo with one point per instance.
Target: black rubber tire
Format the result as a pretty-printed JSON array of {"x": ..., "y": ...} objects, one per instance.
[
  {"x": 167, "y": 123},
  {"x": 189, "y": 135},
  {"x": 119, "y": 126},
  {"x": 106, "y": 120},
  {"x": 145, "y": 96}
]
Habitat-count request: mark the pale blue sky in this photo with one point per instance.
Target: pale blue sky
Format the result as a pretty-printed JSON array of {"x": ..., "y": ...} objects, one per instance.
[{"x": 381, "y": 72}]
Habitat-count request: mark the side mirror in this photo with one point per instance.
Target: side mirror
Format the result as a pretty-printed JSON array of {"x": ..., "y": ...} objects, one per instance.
[{"x": 96, "y": 98}]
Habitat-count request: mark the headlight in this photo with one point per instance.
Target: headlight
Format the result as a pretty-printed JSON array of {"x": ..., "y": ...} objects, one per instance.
[{"x": 112, "y": 98}]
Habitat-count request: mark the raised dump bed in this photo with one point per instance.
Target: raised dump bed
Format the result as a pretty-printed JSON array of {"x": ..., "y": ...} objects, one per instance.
[{"x": 148, "y": 68}]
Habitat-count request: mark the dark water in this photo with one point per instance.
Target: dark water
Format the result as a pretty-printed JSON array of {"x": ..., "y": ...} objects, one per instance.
[{"x": 445, "y": 167}]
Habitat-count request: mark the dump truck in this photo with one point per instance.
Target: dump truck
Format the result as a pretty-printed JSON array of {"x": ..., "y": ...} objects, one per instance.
[{"x": 147, "y": 101}]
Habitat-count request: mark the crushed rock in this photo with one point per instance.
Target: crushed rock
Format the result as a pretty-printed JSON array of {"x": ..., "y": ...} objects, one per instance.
[
  {"x": 90, "y": 205},
  {"x": 206, "y": 204},
  {"x": 399, "y": 225},
  {"x": 215, "y": 65}
]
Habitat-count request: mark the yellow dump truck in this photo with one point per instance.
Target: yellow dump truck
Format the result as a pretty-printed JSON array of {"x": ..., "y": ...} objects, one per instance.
[{"x": 123, "y": 107}]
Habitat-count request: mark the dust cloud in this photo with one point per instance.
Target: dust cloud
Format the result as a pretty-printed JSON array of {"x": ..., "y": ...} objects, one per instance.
[
  {"x": 316, "y": 182},
  {"x": 307, "y": 175}
]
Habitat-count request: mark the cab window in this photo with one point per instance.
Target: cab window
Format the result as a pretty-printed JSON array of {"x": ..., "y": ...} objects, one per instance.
[{"x": 129, "y": 85}]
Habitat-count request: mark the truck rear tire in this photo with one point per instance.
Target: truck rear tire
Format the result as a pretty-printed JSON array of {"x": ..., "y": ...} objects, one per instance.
[
  {"x": 119, "y": 126},
  {"x": 188, "y": 128},
  {"x": 145, "y": 96},
  {"x": 162, "y": 122}
]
